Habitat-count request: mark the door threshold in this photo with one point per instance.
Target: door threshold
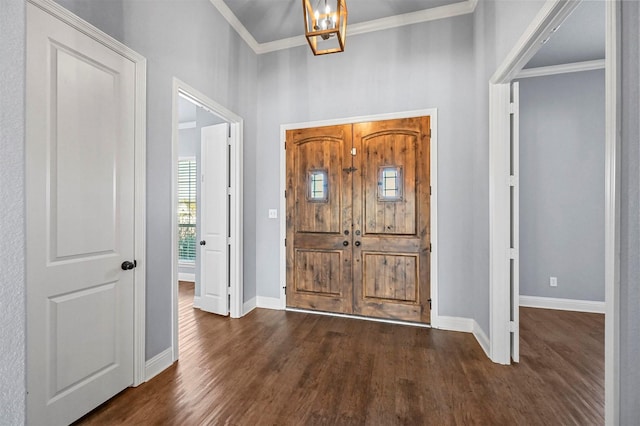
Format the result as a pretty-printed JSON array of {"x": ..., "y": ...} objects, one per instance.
[{"x": 358, "y": 317}]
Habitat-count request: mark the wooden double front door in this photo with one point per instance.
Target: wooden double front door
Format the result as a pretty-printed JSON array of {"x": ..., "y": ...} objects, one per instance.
[{"x": 358, "y": 233}]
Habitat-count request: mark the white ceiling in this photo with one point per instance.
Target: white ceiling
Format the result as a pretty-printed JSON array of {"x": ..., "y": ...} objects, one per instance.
[
  {"x": 271, "y": 20},
  {"x": 186, "y": 110},
  {"x": 580, "y": 38}
]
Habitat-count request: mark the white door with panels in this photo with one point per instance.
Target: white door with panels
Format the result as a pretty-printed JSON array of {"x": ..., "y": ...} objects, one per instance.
[
  {"x": 80, "y": 188},
  {"x": 214, "y": 222}
]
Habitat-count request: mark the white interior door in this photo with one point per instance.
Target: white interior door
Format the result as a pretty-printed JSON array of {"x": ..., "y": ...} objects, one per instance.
[
  {"x": 514, "y": 260},
  {"x": 214, "y": 222},
  {"x": 80, "y": 221}
]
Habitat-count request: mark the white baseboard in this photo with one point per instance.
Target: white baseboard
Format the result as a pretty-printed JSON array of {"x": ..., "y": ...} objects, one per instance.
[
  {"x": 158, "y": 364},
  {"x": 562, "y": 304},
  {"x": 269, "y": 303},
  {"x": 184, "y": 276},
  {"x": 248, "y": 306},
  {"x": 464, "y": 325},
  {"x": 482, "y": 338}
]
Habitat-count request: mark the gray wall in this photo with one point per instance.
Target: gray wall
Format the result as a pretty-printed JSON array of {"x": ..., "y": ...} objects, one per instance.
[
  {"x": 562, "y": 185},
  {"x": 427, "y": 65},
  {"x": 12, "y": 236},
  {"x": 630, "y": 217},
  {"x": 221, "y": 66}
]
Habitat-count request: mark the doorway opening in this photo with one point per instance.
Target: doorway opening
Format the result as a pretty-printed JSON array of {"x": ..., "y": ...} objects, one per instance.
[
  {"x": 502, "y": 252},
  {"x": 207, "y": 207}
]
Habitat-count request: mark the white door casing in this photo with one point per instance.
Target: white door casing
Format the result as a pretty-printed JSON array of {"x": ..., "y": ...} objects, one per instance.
[
  {"x": 82, "y": 143},
  {"x": 550, "y": 16},
  {"x": 514, "y": 183},
  {"x": 214, "y": 222}
]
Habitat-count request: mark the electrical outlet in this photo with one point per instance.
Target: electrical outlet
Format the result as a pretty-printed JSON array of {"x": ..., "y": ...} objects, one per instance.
[
  {"x": 553, "y": 281},
  {"x": 273, "y": 214}
]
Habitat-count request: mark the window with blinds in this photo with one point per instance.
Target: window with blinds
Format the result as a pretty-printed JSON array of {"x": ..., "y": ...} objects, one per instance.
[{"x": 187, "y": 181}]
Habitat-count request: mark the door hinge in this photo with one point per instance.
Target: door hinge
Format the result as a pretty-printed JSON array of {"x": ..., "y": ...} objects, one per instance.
[
  {"x": 511, "y": 180},
  {"x": 512, "y": 327},
  {"x": 285, "y": 194},
  {"x": 285, "y": 144},
  {"x": 285, "y": 290},
  {"x": 353, "y": 152},
  {"x": 512, "y": 108},
  {"x": 430, "y": 307},
  {"x": 228, "y": 302},
  {"x": 430, "y": 190},
  {"x": 429, "y": 133},
  {"x": 229, "y": 127},
  {"x": 285, "y": 242},
  {"x": 430, "y": 248}
]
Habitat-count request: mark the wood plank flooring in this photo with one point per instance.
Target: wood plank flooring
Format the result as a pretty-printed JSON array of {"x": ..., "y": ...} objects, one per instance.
[{"x": 287, "y": 368}]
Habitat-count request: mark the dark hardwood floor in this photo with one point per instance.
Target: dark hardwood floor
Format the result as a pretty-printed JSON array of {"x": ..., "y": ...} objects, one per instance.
[{"x": 287, "y": 368}]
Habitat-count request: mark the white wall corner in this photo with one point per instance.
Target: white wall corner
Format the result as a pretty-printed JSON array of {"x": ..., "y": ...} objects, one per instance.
[
  {"x": 249, "y": 306},
  {"x": 591, "y": 306},
  {"x": 197, "y": 302},
  {"x": 269, "y": 303},
  {"x": 482, "y": 338},
  {"x": 158, "y": 364}
]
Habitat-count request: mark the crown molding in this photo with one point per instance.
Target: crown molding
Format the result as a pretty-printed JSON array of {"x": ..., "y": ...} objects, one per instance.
[
  {"x": 561, "y": 69},
  {"x": 236, "y": 24},
  {"x": 441, "y": 12}
]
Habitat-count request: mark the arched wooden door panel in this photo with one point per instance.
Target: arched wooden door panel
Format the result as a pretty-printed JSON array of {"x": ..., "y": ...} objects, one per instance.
[{"x": 318, "y": 213}]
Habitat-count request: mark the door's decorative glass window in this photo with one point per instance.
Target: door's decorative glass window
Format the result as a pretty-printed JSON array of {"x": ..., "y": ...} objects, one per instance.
[
  {"x": 390, "y": 183},
  {"x": 318, "y": 186}
]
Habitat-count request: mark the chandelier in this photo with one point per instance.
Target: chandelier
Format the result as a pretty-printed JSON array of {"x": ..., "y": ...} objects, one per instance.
[{"x": 325, "y": 26}]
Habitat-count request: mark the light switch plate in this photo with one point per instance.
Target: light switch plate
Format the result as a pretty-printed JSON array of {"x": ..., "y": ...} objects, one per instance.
[{"x": 273, "y": 213}]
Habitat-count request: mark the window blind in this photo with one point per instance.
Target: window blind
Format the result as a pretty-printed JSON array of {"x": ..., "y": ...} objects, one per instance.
[{"x": 187, "y": 211}]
